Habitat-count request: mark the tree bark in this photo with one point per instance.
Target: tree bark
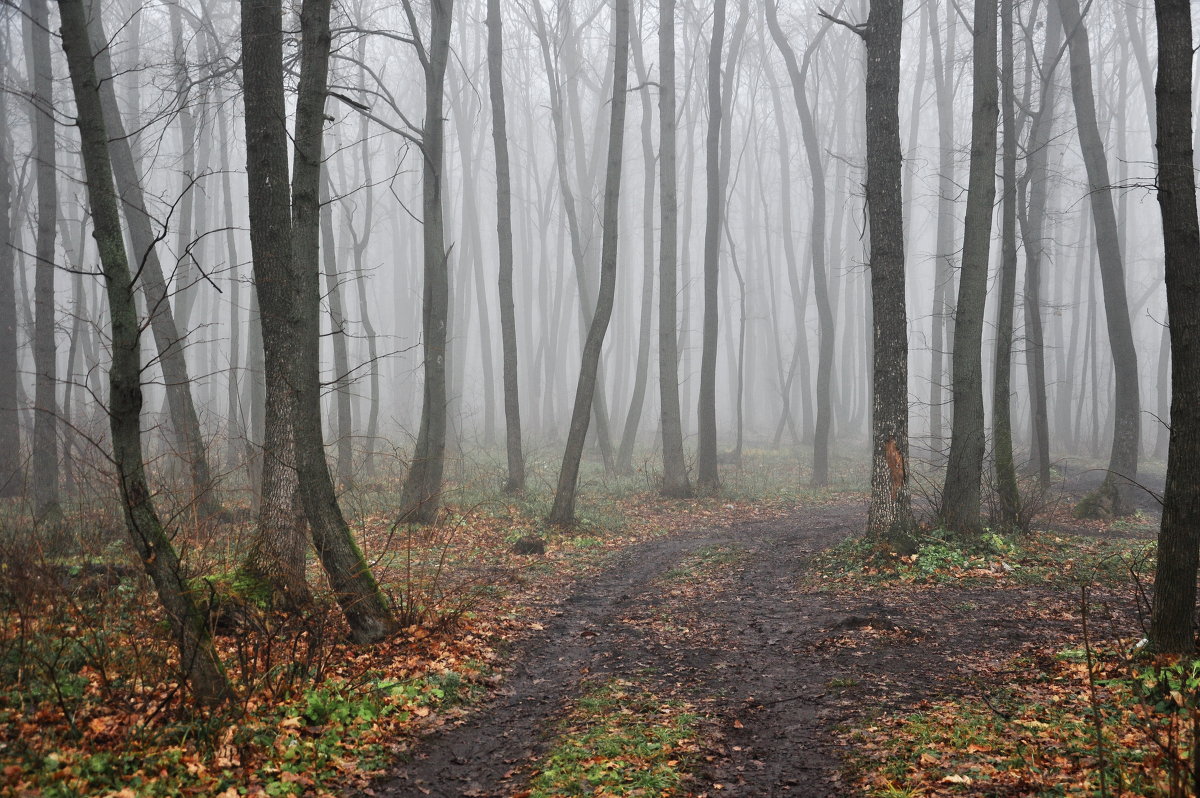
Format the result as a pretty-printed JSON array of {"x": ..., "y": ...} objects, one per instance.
[
  {"x": 707, "y": 477},
  {"x": 1172, "y": 616},
  {"x": 45, "y": 463},
  {"x": 1113, "y": 495},
  {"x": 515, "y": 480},
  {"x": 1007, "y": 496},
  {"x": 889, "y": 517},
  {"x": 964, "y": 471},
  {"x": 421, "y": 494},
  {"x": 343, "y": 433},
  {"x": 10, "y": 418},
  {"x": 198, "y": 658},
  {"x": 563, "y": 510},
  {"x": 675, "y": 476}
]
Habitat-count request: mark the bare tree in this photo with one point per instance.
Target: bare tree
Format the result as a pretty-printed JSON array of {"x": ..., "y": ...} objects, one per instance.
[
  {"x": 1172, "y": 618},
  {"x": 1113, "y": 495},
  {"x": 508, "y": 321},
  {"x": 964, "y": 471},
  {"x": 198, "y": 658},
  {"x": 421, "y": 495},
  {"x": 563, "y": 511},
  {"x": 675, "y": 477},
  {"x": 10, "y": 418}
]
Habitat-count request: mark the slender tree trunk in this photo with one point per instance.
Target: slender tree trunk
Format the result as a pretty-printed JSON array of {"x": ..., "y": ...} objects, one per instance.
[
  {"x": 10, "y": 419},
  {"x": 515, "y": 481},
  {"x": 1113, "y": 496},
  {"x": 168, "y": 340},
  {"x": 646, "y": 316},
  {"x": 798, "y": 74},
  {"x": 1032, "y": 213},
  {"x": 563, "y": 511},
  {"x": 44, "y": 476},
  {"x": 421, "y": 495},
  {"x": 890, "y": 514},
  {"x": 344, "y": 425},
  {"x": 1007, "y": 496},
  {"x": 707, "y": 477},
  {"x": 964, "y": 471},
  {"x": 198, "y": 659},
  {"x": 675, "y": 477},
  {"x": 1172, "y": 618}
]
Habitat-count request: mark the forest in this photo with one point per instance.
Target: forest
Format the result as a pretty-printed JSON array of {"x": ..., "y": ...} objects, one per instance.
[{"x": 548, "y": 398}]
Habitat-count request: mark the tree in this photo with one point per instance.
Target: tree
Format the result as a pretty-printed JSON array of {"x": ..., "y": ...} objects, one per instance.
[
  {"x": 10, "y": 419},
  {"x": 1002, "y": 442},
  {"x": 44, "y": 478},
  {"x": 198, "y": 658},
  {"x": 707, "y": 477},
  {"x": 563, "y": 510},
  {"x": 1112, "y": 497},
  {"x": 964, "y": 471},
  {"x": 1172, "y": 617},
  {"x": 889, "y": 517},
  {"x": 287, "y": 277},
  {"x": 421, "y": 494},
  {"x": 508, "y": 321},
  {"x": 675, "y": 477},
  {"x": 798, "y": 73}
]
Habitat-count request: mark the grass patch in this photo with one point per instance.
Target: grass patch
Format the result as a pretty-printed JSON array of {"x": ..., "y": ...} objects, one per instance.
[
  {"x": 1043, "y": 734},
  {"x": 619, "y": 740}
]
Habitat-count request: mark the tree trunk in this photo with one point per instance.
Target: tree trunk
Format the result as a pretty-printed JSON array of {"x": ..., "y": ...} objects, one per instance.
[
  {"x": 197, "y": 657},
  {"x": 10, "y": 419},
  {"x": 675, "y": 477},
  {"x": 563, "y": 511},
  {"x": 1172, "y": 618},
  {"x": 1113, "y": 495},
  {"x": 167, "y": 339},
  {"x": 344, "y": 426},
  {"x": 890, "y": 514},
  {"x": 421, "y": 495},
  {"x": 964, "y": 471},
  {"x": 799, "y": 74},
  {"x": 44, "y": 476},
  {"x": 515, "y": 481},
  {"x": 707, "y": 477},
  {"x": 1008, "y": 499}
]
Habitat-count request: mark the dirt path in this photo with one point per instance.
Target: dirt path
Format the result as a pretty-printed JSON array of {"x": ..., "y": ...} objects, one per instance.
[{"x": 774, "y": 667}]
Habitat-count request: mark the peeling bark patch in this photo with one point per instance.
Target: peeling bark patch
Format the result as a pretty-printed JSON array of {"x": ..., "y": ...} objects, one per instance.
[{"x": 895, "y": 463}]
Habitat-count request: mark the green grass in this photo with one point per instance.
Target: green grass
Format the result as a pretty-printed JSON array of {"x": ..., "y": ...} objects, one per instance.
[
  {"x": 705, "y": 562},
  {"x": 619, "y": 740}
]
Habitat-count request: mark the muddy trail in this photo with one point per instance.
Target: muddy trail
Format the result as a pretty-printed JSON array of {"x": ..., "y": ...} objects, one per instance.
[{"x": 723, "y": 619}]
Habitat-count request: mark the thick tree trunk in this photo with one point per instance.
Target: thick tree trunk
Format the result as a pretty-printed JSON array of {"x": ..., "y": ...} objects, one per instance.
[
  {"x": 350, "y": 576},
  {"x": 421, "y": 495},
  {"x": 1172, "y": 618},
  {"x": 1112, "y": 496},
  {"x": 675, "y": 477},
  {"x": 563, "y": 511},
  {"x": 515, "y": 480},
  {"x": 198, "y": 659},
  {"x": 1008, "y": 499},
  {"x": 277, "y": 555},
  {"x": 707, "y": 477},
  {"x": 890, "y": 514},
  {"x": 964, "y": 471},
  {"x": 45, "y": 464}
]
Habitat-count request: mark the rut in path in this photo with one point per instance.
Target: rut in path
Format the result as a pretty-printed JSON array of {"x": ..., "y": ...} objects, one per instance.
[{"x": 755, "y": 656}]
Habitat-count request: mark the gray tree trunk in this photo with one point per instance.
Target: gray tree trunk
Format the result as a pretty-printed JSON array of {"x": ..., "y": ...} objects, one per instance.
[
  {"x": 10, "y": 418},
  {"x": 515, "y": 480},
  {"x": 198, "y": 658},
  {"x": 964, "y": 471},
  {"x": 344, "y": 425},
  {"x": 563, "y": 510},
  {"x": 1113, "y": 496},
  {"x": 675, "y": 476}
]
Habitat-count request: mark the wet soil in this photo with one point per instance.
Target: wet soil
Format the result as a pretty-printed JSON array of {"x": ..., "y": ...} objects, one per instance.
[{"x": 775, "y": 665}]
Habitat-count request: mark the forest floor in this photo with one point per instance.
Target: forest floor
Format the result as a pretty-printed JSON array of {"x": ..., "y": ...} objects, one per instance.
[{"x": 770, "y": 657}]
